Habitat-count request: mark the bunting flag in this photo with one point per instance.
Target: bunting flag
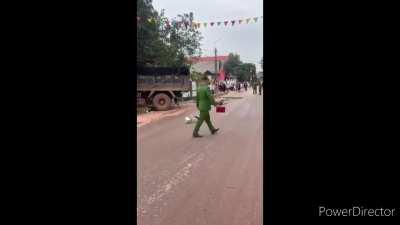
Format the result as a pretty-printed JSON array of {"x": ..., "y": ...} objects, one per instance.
[{"x": 196, "y": 25}]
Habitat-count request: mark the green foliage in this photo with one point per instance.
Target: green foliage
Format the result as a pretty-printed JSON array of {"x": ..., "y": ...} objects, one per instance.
[
  {"x": 231, "y": 64},
  {"x": 162, "y": 42},
  {"x": 243, "y": 71}
]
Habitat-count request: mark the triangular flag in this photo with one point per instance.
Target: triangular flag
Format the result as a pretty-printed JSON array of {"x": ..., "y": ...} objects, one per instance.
[
  {"x": 218, "y": 23},
  {"x": 240, "y": 21},
  {"x": 205, "y": 24},
  {"x": 248, "y": 20},
  {"x": 198, "y": 25},
  {"x": 212, "y": 23},
  {"x": 226, "y": 22},
  {"x": 255, "y": 19},
  {"x": 233, "y": 22}
]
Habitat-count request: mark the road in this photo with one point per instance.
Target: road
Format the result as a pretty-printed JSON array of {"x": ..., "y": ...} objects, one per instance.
[{"x": 213, "y": 180}]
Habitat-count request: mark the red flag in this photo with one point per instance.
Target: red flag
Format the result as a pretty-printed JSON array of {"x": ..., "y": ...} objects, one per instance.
[
  {"x": 226, "y": 22},
  {"x": 221, "y": 74}
]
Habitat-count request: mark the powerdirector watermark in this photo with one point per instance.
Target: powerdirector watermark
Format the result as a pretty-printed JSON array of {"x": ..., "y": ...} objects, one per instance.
[{"x": 356, "y": 211}]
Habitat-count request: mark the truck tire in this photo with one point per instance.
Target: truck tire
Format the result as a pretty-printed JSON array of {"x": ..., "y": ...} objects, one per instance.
[{"x": 161, "y": 101}]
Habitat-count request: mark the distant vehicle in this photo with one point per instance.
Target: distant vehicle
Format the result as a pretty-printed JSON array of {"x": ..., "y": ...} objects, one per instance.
[{"x": 158, "y": 87}]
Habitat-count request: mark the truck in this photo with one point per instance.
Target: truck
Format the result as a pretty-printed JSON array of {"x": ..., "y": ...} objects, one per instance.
[{"x": 160, "y": 87}]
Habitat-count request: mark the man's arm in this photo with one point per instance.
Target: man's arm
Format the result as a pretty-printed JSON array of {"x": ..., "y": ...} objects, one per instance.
[
  {"x": 211, "y": 97},
  {"x": 197, "y": 99}
]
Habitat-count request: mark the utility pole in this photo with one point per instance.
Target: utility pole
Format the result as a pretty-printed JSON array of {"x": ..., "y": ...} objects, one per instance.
[
  {"x": 215, "y": 66},
  {"x": 215, "y": 53},
  {"x": 215, "y": 61}
]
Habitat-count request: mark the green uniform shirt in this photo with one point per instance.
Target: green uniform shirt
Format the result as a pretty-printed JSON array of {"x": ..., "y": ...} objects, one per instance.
[{"x": 204, "y": 98}]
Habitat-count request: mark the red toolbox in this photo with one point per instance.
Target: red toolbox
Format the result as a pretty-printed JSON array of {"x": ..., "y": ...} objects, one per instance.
[{"x": 220, "y": 109}]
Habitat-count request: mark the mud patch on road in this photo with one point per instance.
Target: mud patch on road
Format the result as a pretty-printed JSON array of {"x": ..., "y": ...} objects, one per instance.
[{"x": 153, "y": 116}]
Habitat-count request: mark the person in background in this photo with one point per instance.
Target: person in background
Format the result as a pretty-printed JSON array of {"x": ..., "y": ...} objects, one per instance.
[
  {"x": 245, "y": 86},
  {"x": 254, "y": 86},
  {"x": 259, "y": 87},
  {"x": 211, "y": 86},
  {"x": 204, "y": 100}
]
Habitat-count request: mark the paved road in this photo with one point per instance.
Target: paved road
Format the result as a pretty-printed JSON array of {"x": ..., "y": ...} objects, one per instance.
[{"x": 214, "y": 180}]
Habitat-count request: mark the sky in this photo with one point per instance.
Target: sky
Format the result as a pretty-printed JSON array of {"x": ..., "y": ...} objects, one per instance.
[{"x": 245, "y": 39}]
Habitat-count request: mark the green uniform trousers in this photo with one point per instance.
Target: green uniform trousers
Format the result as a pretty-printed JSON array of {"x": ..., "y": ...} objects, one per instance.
[{"x": 204, "y": 116}]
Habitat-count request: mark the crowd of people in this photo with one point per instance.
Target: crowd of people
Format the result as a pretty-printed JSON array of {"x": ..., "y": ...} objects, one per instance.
[{"x": 234, "y": 85}]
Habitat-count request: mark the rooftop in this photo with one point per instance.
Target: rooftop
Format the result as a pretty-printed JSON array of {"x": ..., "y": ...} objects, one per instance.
[{"x": 208, "y": 58}]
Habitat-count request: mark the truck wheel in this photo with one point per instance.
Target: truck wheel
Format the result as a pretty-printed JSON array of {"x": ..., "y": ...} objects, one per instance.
[{"x": 161, "y": 101}]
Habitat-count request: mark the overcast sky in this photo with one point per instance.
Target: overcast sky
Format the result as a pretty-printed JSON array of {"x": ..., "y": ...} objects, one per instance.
[{"x": 244, "y": 39}]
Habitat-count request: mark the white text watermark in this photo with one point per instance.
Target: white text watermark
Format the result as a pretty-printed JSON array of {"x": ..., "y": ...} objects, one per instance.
[{"x": 356, "y": 211}]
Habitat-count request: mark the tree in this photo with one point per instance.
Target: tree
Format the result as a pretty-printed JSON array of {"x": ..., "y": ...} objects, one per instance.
[
  {"x": 243, "y": 71},
  {"x": 148, "y": 43},
  {"x": 184, "y": 39},
  {"x": 231, "y": 64},
  {"x": 165, "y": 43}
]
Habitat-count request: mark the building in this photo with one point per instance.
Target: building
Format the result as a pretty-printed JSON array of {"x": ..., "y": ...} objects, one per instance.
[{"x": 207, "y": 64}]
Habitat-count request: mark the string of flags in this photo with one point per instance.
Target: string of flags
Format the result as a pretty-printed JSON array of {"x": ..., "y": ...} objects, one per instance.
[{"x": 198, "y": 25}]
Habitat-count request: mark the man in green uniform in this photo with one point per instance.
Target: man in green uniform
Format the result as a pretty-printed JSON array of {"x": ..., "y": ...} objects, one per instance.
[{"x": 204, "y": 100}]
